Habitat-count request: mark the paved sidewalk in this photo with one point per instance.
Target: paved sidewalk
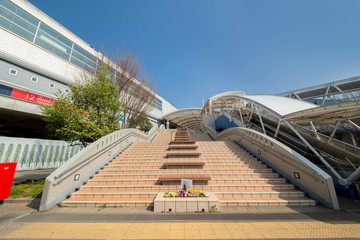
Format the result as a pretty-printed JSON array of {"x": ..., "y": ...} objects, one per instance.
[
  {"x": 139, "y": 223},
  {"x": 21, "y": 221}
]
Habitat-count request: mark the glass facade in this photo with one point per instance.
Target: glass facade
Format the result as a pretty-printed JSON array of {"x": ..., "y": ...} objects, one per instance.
[
  {"x": 17, "y": 21},
  {"x": 335, "y": 98},
  {"x": 26, "y": 26},
  {"x": 157, "y": 103}
]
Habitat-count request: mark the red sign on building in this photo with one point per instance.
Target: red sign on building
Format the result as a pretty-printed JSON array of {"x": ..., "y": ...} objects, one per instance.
[{"x": 31, "y": 97}]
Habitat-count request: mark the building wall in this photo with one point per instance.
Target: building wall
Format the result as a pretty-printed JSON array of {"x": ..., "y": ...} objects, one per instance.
[{"x": 36, "y": 46}]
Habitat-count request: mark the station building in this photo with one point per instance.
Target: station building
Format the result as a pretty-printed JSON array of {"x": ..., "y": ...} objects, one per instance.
[
  {"x": 38, "y": 57},
  {"x": 248, "y": 144}
]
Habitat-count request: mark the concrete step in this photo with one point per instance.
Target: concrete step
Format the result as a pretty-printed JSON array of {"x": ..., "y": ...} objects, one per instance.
[
  {"x": 212, "y": 181},
  {"x": 259, "y": 194},
  {"x": 246, "y": 180},
  {"x": 110, "y": 202},
  {"x": 156, "y": 175},
  {"x": 113, "y": 194},
  {"x": 123, "y": 181},
  {"x": 182, "y": 147},
  {"x": 243, "y": 170},
  {"x": 212, "y": 187},
  {"x": 265, "y": 202},
  {"x": 227, "y": 164}
]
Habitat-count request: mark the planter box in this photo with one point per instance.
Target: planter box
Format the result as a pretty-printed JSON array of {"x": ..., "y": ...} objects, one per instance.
[{"x": 187, "y": 204}]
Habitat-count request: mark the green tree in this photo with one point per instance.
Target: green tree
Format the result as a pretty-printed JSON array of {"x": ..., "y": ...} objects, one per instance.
[
  {"x": 145, "y": 124},
  {"x": 88, "y": 112}
]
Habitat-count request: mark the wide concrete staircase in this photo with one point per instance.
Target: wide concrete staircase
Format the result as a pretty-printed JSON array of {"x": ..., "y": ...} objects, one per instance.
[{"x": 237, "y": 178}]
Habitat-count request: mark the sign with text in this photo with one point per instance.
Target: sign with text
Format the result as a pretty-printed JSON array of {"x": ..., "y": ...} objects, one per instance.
[
  {"x": 31, "y": 97},
  {"x": 188, "y": 184}
]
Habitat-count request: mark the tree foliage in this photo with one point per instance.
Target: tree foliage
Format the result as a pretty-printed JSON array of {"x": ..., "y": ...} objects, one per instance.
[
  {"x": 88, "y": 112},
  {"x": 136, "y": 92},
  {"x": 143, "y": 123}
]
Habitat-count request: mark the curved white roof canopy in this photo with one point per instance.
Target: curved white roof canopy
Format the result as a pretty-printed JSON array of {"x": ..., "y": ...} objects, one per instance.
[
  {"x": 229, "y": 94},
  {"x": 281, "y": 106},
  {"x": 187, "y": 117}
]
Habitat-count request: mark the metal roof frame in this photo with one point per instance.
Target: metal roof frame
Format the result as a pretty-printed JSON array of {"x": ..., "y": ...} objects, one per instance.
[{"x": 240, "y": 102}]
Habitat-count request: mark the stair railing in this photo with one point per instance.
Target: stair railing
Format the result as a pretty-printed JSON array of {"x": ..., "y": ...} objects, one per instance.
[
  {"x": 288, "y": 163},
  {"x": 77, "y": 170}
]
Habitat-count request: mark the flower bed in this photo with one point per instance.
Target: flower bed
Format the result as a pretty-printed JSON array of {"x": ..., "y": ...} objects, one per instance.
[
  {"x": 186, "y": 201},
  {"x": 183, "y": 192}
]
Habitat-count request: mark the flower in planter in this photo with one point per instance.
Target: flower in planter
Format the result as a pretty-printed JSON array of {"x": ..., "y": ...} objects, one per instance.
[
  {"x": 204, "y": 194},
  {"x": 170, "y": 194},
  {"x": 194, "y": 191},
  {"x": 193, "y": 194},
  {"x": 182, "y": 193}
]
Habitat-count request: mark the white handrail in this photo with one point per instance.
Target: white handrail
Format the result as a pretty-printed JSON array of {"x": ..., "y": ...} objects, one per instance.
[
  {"x": 294, "y": 167},
  {"x": 77, "y": 170}
]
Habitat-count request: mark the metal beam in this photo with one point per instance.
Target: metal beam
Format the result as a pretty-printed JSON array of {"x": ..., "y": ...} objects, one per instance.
[
  {"x": 277, "y": 129},
  {"x": 210, "y": 106},
  {"x": 297, "y": 96},
  {"x": 354, "y": 124},
  {"x": 252, "y": 111},
  {"x": 261, "y": 121},
  {"x": 354, "y": 176},
  {"x": 312, "y": 126},
  {"x": 326, "y": 93},
  {"x": 337, "y": 124},
  {"x": 241, "y": 117},
  {"x": 341, "y": 180}
]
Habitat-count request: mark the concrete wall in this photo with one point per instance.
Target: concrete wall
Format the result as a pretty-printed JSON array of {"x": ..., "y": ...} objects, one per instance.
[
  {"x": 288, "y": 163},
  {"x": 80, "y": 168}
]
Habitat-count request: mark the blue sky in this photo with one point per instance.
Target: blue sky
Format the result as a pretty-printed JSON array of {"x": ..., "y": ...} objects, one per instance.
[{"x": 199, "y": 48}]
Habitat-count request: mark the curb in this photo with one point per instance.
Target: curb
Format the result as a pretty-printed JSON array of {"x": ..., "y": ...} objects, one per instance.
[{"x": 21, "y": 200}]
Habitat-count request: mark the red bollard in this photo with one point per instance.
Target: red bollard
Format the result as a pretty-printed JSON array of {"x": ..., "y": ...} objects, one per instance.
[{"x": 7, "y": 171}]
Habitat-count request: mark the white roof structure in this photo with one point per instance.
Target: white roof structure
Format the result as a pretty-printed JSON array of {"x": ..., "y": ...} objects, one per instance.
[
  {"x": 280, "y": 105},
  {"x": 229, "y": 94},
  {"x": 187, "y": 117}
]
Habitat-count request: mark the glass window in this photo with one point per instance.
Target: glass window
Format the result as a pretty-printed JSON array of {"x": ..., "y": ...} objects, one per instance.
[
  {"x": 13, "y": 71},
  {"x": 84, "y": 53},
  {"x": 34, "y": 79},
  {"x": 77, "y": 62},
  {"x": 8, "y": 23},
  {"x": 55, "y": 35},
  {"x": 51, "y": 85},
  {"x": 21, "y": 32},
  {"x": 26, "y": 16},
  {"x": 6, "y": 14},
  {"x": 89, "y": 69},
  {"x": 52, "y": 46},
  {"x": 4, "y": 23},
  {"x": 157, "y": 103},
  {"x": 83, "y": 59},
  {"x": 8, "y": 5},
  {"x": 25, "y": 25},
  {"x": 56, "y": 43},
  {"x": 21, "y": 13}
]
